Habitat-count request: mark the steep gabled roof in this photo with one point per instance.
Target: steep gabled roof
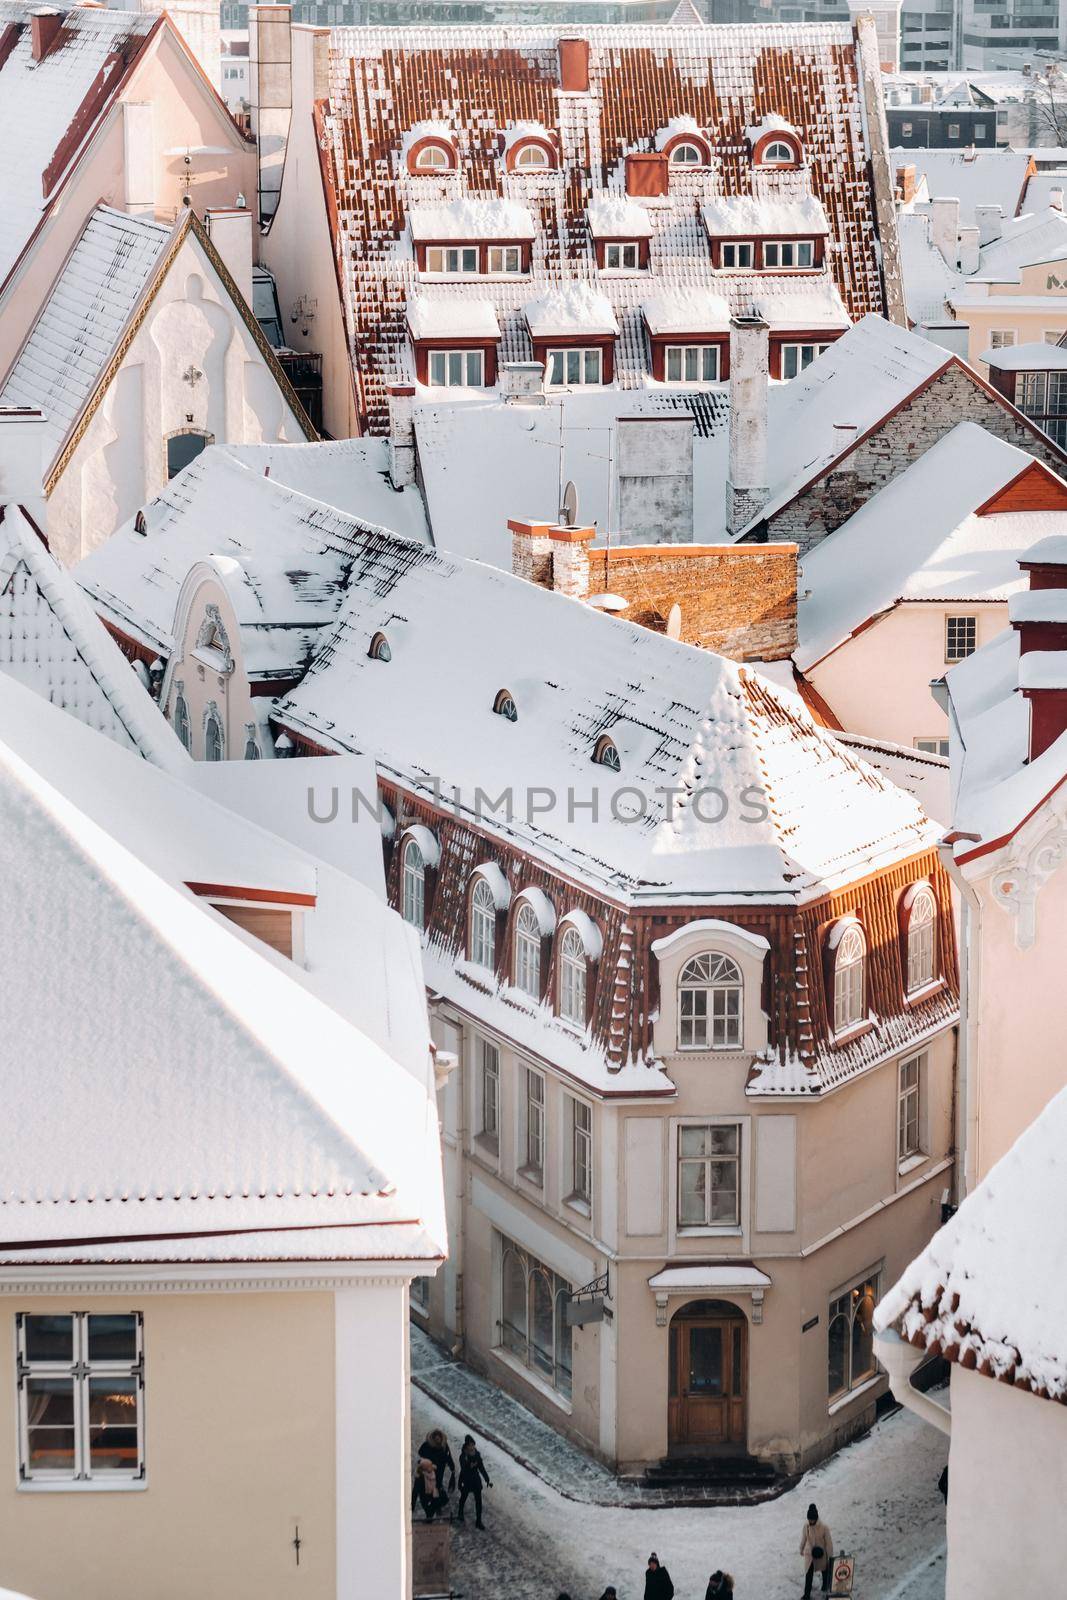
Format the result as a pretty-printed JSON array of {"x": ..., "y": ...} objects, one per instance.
[
  {"x": 973, "y": 177},
  {"x": 48, "y": 108},
  {"x": 52, "y": 641},
  {"x": 989, "y": 1291}
]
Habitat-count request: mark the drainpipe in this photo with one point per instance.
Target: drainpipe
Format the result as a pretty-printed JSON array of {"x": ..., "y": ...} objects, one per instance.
[
  {"x": 970, "y": 1012},
  {"x": 900, "y": 1359}
]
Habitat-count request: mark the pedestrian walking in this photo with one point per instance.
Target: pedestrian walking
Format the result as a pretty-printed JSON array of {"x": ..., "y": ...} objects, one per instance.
[
  {"x": 720, "y": 1586},
  {"x": 658, "y": 1585},
  {"x": 424, "y": 1489},
  {"x": 817, "y": 1549},
  {"x": 609, "y": 1593},
  {"x": 471, "y": 1473},
  {"x": 435, "y": 1448}
]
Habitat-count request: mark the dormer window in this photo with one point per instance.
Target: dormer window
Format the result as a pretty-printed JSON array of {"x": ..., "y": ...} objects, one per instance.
[
  {"x": 606, "y": 754},
  {"x": 454, "y": 259},
  {"x": 710, "y": 1003},
  {"x": 620, "y": 257},
  {"x": 505, "y": 258},
  {"x": 848, "y": 956},
  {"x": 686, "y": 154},
  {"x": 786, "y": 254},
  {"x": 379, "y": 648},
  {"x": 433, "y": 156},
  {"x": 531, "y": 157},
  {"x": 920, "y": 937},
  {"x": 775, "y": 142},
  {"x": 778, "y": 154},
  {"x": 737, "y": 256},
  {"x": 504, "y": 706}
]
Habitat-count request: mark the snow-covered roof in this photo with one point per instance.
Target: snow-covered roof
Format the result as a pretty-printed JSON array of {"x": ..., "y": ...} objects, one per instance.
[
  {"x": 748, "y": 216},
  {"x": 1024, "y": 241},
  {"x": 572, "y": 308},
  {"x": 786, "y": 303},
  {"x": 52, "y": 641},
  {"x": 678, "y": 128},
  {"x": 615, "y": 216},
  {"x": 989, "y": 1290},
  {"x": 476, "y": 217},
  {"x": 919, "y": 539},
  {"x": 929, "y": 281},
  {"x": 1033, "y": 357},
  {"x": 442, "y": 316},
  {"x": 84, "y": 317},
  {"x": 196, "y": 1083},
  {"x": 350, "y": 474},
  {"x": 973, "y": 177},
  {"x": 677, "y": 715},
  {"x": 283, "y": 557},
  {"x": 686, "y": 311},
  {"x": 49, "y": 108},
  {"x": 770, "y": 122},
  {"x": 644, "y": 80}
]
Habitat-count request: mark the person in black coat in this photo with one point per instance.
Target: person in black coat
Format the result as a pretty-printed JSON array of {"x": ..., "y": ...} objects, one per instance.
[
  {"x": 435, "y": 1448},
  {"x": 471, "y": 1472},
  {"x": 720, "y": 1587},
  {"x": 658, "y": 1585}
]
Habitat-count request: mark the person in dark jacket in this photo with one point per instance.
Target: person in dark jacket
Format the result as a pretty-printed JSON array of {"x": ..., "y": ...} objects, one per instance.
[
  {"x": 720, "y": 1587},
  {"x": 658, "y": 1585},
  {"x": 424, "y": 1489},
  {"x": 435, "y": 1448},
  {"x": 609, "y": 1593},
  {"x": 471, "y": 1472}
]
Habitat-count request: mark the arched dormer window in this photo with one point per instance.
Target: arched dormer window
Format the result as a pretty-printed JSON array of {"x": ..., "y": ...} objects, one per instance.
[
  {"x": 482, "y": 941},
  {"x": 433, "y": 156},
  {"x": 413, "y": 884},
  {"x": 573, "y": 969},
  {"x": 214, "y": 739},
  {"x": 527, "y": 966},
  {"x": 504, "y": 706},
  {"x": 181, "y": 719},
  {"x": 606, "y": 754},
  {"x": 848, "y": 952},
  {"x": 687, "y": 153},
  {"x": 920, "y": 937},
  {"x": 710, "y": 1003},
  {"x": 531, "y": 157},
  {"x": 379, "y": 648},
  {"x": 778, "y": 154}
]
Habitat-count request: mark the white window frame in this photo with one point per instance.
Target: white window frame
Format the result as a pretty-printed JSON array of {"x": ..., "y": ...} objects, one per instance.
[
  {"x": 579, "y": 1179},
  {"x": 433, "y": 158},
  {"x": 564, "y": 357},
  {"x": 849, "y": 980},
  {"x": 1001, "y": 338},
  {"x": 516, "y": 1343},
  {"x": 524, "y": 158},
  {"x": 934, "y": 745},
  {"x": 621, "y": 256},
  {"x": 527, "y": 953},
  {"x": 81, "y": 1372},
  {"x": 481, "y": 929},
  {"x": 505, "y": 260},
  {"x": 533, "y": 1127},
  {"x": 783, "y": 255},
  {"x": 456, "y": 369},
  {"x": 704, "y": 356},
  {"x": 802, "y": 358},
  {"x": 770, "y": 157},
  {"x": 737, "y": 255},
  {"x": 911, "y": 1089},
  {"x": 573, "y": 978},
  {"x": 955, "y": 623},
  {"x": 453, "y": 260},
  {"x": 716, "y": 986},
  {"x": 413, "y": 885},
  {"x": 698, "y": 159},
  {"x": 488, "y": 1092},
  {"x": 847, "y": 1304},
  {"x": 920, "y": 942},
  {"x": 710, "y": 1225}
]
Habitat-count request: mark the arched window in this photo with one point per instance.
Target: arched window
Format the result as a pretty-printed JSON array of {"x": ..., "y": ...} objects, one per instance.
[
  {"x": 379, "y": 648},
  {"x": 778, "y": 154},
  {"x": 534, "y": 1325},
  {"x": 572, "y": 974},
  {"x": 850, "y": 962},
  {"x": 214, "y": 742},
  {"x": 850, "y": 1351},
  {"x": 482, "y": 942},
  {"x": 413, "y": 885},
  {"x": 606, "y": 754},
  {"x": 686, "y": 154},
  {"x": 504, "y": 706},
  {"x": 181, "y": 720},
  {"x": 527, "y": 955},
  {"x": 921, "y": 940},
  {"x": 433, "y": 158},
  {"x": 183, "y": 448},
  {"x": 531, "y": 156},
  {"x": 709, "y": 1003}
]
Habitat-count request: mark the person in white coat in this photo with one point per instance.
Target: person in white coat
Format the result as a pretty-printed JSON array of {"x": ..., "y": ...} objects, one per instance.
[{"x": 817, "y": 1550}]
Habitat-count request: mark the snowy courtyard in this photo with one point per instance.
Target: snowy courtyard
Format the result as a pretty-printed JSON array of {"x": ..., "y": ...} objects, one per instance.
[{"x": 879, "y": 1497}]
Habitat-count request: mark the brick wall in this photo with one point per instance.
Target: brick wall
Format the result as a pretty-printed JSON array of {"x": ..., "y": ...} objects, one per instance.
[
  {"x": 953, "y": 397},
  {"x": 738, "y": 599}
]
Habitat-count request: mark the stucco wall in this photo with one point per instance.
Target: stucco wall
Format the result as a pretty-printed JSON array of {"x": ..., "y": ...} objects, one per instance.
[
  {"x": 878, "y": 682},
  {"x": 1007, "y": 1490},
  {"x": 200, "y": 685},
  {"x": 239, "y": 1448},
  {"x": 1015, "y": 309}
]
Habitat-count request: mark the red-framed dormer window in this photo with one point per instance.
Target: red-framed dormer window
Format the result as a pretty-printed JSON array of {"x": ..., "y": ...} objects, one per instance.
[
  {"x": 792, "y": 255},
  {"x": 531, "y": 154},
  {"x": 431, "y": 156},
  {"x": 473, "y": 257},
  {"x": 777, "y": 148},
  {"x": 621, "y": 255},
  {"x": 687, "y": 152}
]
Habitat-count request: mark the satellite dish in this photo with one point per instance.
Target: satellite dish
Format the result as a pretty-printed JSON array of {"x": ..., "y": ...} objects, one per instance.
[
  {"x": 674, "y": 622},
  {"x": 568, "y": 511}
]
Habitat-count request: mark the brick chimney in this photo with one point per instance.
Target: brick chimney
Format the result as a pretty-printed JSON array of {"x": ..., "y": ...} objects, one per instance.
[
  {"x": 906, "y": 183},
  {"x": 45, "y": 26},
  {"x": 1039, "y": 617},
  {"x": 647, "y": 175},
  {"x": 531, "y": 552},
  {"x": 401, "y": 434},
  {"x": 574, "y": 66},
  {"x": 747, "y": 487},
  {"x": 552, "y": 556}
]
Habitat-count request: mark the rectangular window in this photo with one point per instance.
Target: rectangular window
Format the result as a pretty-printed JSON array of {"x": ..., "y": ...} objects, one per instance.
[
  {"x": 581, "y": 1175},
  {"x": 81, "y": 1395},
  {"x": 1001, "y": 338},
  {"x": 933, "y": 747},
  {"x": 979, "y": 130},
  {"x": 455, "y": 259},
  {"x": 789, "y": 253},
  {"x": 489, "y": 1069},
  {"x": 908, "y": 1107},
  {"x": 907, "y": 129},
  {"x": 796, "y": 358},
  {"x": 709, "y": 1171},
  {"x": 621, "y": 257},
  {"x": 850, "y": 1327},
  {"x": 737, "y": 256},
  {"x": 961, "y": 637},
  {"x": 505, "y": 258},
  {"x": 535, "y": 1125},
  {"x": 457, "y": 369},
  {"x": 1052, "y": 335},
  {"x": 533, "y": 1315},
  {"x": 574, "y": 368},
  {"x": 692, "y": 363},
  {"x": 953, "y": 130}
]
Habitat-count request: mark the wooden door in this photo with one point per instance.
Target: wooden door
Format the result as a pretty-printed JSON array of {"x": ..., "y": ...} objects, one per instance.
[{"x": 708, "y": 1381}]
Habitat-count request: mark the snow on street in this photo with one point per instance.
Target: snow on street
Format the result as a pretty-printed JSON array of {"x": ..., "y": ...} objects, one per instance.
[{"x": 879, "y": 1497}]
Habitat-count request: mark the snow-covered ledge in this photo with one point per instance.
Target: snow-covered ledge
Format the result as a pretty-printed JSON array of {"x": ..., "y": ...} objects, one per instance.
[{"x": 901, "y": 1359}]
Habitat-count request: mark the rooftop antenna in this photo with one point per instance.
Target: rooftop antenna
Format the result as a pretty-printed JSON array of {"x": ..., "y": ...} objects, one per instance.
[{"x": 568, "y": 511}]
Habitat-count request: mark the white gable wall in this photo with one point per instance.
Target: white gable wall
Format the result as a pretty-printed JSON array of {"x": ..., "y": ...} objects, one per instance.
[{"x": 191, "y": 327}]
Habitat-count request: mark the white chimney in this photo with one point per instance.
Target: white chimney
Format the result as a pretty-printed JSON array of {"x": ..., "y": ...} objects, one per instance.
[
  {"x": 138, "y": 157},
  {"x": 746, "y": 486},
  {"x": 401, "y": 435},
  {"x": 230, "y": 231},
  {"x": 970, "y": 259},
  {"x": 522, "y": 382},
  {"x": 945, "y": 228},
  {"x": 22, "y": 459},
  {"x": 990, "y": 220},
  {"x": 1055, "y": 199}
]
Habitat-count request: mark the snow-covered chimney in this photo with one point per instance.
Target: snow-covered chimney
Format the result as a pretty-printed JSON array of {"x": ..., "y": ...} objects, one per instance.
[
  {"x": 22, "y": 459},
  {"x": 522, "y": 382},
  {"x": 44, "y": 32},
  {"x": 746, "y": 486},
  {"x": 970, "y": 259},
  {"x": 570, "y": 560},
  {"x": 401, "y": 435},
  {"x": 1055, "y": 199},
  {"x": 990, "y": 220},
  {"x": 1039, "y": 617},
  {"x": 531, "y": 551},
  {"x": 230, "y": 231},
  {"x": 138, "y": 157},
  {"x": 945, "y": 228}
]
